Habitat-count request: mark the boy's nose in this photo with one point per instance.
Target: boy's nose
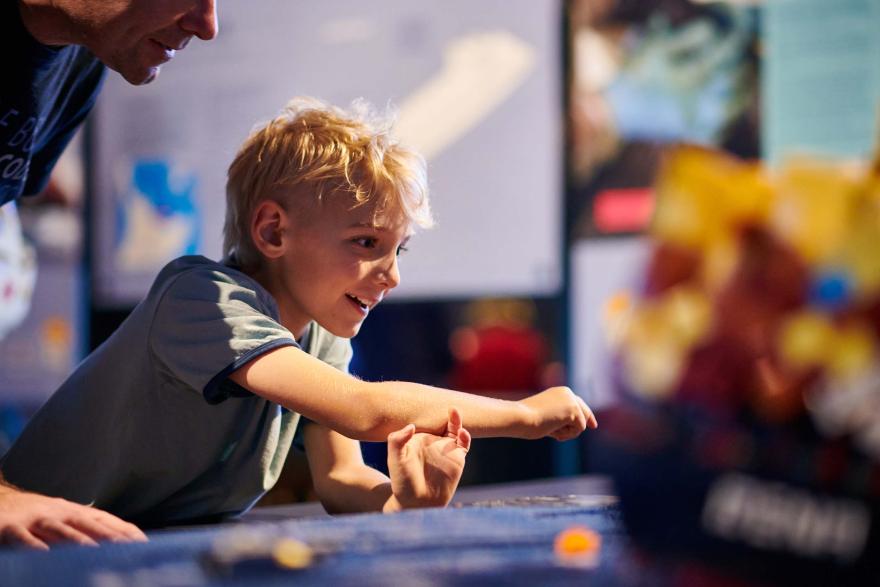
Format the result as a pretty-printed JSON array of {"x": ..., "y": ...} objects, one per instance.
[
  {"x": 390, "y": 273},
  {"x": 201, "y": 20}
]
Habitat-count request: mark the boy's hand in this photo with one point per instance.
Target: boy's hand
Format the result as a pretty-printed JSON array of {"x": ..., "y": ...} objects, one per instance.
[
  {"x": 36, "y": 521},
  {"x": 559, "y": 413},
  {"x": 424, "y": 468}
]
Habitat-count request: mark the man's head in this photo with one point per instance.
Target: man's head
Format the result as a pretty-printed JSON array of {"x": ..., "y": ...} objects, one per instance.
[
  {"x": 320, "y": 202},
  {"x": 136, "y": 37}
]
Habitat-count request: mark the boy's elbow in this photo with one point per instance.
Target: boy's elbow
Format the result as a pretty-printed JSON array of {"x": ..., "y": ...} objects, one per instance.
[
  {"x": 369, "y": 428},
  {"x": 326, "y": 494},
  {"x": 370, "y": 421},
  {"x": 325, "y": 491}
]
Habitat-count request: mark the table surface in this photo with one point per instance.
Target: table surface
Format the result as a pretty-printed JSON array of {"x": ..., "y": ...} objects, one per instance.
[
  {"x": 497, "y": 535},
  {"x": 594, "y": 486}
]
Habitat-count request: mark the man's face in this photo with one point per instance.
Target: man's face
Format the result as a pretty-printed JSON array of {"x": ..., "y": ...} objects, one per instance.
[
  {"x": 136, "y": 37},
  {"x": 339, "y": 264}
]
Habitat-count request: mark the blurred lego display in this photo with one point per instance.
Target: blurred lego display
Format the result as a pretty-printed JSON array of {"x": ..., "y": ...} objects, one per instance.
[
  {"x": 774, "y": 281},
  {"x": 749, "y": 368}
]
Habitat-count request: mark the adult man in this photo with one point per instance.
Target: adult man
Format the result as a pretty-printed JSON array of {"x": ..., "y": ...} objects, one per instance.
[
  {"x": 59, "y": 51},
  {"x": 61, "y": 48}
]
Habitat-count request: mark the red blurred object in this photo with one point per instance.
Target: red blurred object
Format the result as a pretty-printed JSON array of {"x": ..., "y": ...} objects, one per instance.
[
  {"x": 623, "y": 210},
  {"x": 499, "y": 358},
  {"x": 717, "y": 377},
  {"x": 770, "y": 269},
  {"x": 670, "y": 265}
]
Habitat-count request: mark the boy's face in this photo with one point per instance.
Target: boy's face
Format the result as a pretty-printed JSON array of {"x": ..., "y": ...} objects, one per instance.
[{"x": 338, "y": 264}]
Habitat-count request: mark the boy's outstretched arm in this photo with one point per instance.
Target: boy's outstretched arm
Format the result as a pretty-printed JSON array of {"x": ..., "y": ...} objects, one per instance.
[
  {"x": 425, "y": 469},
  {"x": 371, "y": 411}
]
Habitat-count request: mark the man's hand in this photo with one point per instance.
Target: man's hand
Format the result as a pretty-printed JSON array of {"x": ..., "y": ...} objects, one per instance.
[
  {"x": 425, "y": 469},
  {"x": 36, "y": 521},
  {"x": 559, "y": 413}
]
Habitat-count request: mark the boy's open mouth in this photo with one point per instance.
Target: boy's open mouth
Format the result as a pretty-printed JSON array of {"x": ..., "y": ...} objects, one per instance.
[{"x": 357, "y": 300}]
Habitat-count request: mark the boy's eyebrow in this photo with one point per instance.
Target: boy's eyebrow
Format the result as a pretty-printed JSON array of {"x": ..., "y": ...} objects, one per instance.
[{"x": 374, "y": 226}]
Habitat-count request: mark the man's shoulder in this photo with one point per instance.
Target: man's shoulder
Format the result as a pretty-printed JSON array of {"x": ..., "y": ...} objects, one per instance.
[{"x": 35, "y": 59}]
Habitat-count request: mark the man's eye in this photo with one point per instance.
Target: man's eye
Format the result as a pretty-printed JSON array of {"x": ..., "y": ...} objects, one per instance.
[{"x": 366, "y": 242}]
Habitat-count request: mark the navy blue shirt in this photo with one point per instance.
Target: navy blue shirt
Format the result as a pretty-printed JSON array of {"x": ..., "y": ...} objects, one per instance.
[{"x": 46, "y": 93}]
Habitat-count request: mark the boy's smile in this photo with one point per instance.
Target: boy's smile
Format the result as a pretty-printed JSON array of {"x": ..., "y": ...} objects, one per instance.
[
  {"x": 363, "y": 306},
  {"x": 337, "y": 262}
]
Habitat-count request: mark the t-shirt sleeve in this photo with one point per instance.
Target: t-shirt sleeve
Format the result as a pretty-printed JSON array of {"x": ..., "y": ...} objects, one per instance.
[
  {"x": 337, "y": 353},
  {"x": 207, "y": 324}
]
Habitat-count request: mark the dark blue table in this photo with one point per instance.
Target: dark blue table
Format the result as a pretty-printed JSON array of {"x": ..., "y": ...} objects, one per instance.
[{"x": 492, "y": 535}]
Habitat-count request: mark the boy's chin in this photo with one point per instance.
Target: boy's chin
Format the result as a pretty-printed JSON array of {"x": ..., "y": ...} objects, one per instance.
[{"x": 343, "y": 331}]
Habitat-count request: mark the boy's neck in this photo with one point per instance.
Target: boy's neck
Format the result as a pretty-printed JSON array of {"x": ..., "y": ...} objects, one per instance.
[{"x": 288, "y": 317}]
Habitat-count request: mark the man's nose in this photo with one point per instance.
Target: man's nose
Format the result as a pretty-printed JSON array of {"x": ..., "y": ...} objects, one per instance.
[{"x": 201, "y": 20}]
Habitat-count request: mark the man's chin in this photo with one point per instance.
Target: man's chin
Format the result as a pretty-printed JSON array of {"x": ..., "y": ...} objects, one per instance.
[{"x": 140, "y": 76}]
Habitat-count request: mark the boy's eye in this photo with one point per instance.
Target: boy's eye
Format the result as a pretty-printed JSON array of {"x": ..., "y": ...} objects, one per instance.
[
  {"x": 401, "y": 249},
  {"x": 366, "y": 242}
]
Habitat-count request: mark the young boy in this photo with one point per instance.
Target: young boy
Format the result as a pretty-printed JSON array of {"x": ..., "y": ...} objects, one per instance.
[{"x": 187, "y": 412}]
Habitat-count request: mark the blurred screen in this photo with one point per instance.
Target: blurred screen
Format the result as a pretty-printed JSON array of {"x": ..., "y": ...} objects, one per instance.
[{"x": 478, "y": 88}]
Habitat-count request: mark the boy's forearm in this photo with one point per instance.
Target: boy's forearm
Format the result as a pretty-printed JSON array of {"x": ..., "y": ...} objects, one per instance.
[
  {"x": 399, "y": 403},
  {"x": 385, "y": 407},
  {"x": 370, "y": 411},
  {"x": 360, "y": 489},
  {"x": 342, "y": 480}
]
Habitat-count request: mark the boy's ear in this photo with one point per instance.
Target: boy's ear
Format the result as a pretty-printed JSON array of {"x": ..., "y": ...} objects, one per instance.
[{"x": 268, "y": 224}]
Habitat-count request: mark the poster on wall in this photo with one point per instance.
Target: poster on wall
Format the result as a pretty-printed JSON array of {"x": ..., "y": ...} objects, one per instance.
[
  {"x": 821, "y": 78},
  {"x": 477, "y": 88},
  {"x": 647, "y": 76}
]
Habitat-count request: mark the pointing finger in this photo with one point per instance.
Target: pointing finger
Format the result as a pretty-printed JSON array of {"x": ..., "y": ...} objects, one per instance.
[{"x": 592, "y": 422}]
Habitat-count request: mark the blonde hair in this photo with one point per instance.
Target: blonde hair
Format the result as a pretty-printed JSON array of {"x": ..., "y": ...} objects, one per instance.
[{"x": 311, "y": 149}]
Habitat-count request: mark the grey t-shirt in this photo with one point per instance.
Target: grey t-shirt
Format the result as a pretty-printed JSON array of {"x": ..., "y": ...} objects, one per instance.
[{"x": 149, "y": 427}]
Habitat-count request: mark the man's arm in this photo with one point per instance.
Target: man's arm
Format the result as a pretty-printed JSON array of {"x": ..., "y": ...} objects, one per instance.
[
  {"x": 371, "y": 411},
  {"x": 36, "y": 521}
]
